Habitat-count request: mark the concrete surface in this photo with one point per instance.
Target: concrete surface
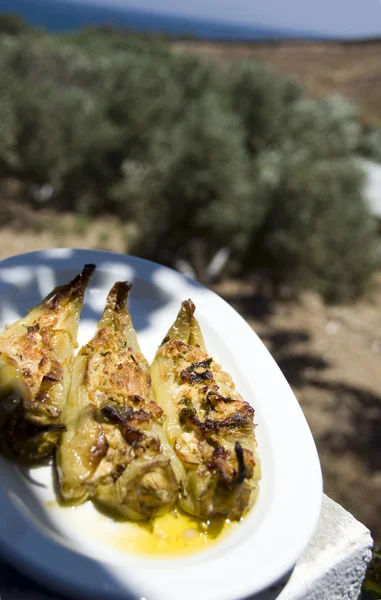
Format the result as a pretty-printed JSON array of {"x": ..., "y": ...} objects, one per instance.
[{"x": 334, "y": 564}]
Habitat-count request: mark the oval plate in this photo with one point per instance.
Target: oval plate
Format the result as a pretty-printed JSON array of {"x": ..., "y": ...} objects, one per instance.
[{"x": 52, "y": 548}]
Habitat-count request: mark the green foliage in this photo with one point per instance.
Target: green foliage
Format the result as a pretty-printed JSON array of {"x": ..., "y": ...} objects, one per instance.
[
  {"x": 63, "y": 135},
  {"x": 193, "y": 181},
  {"x": 8, "y": 132},
  {"x": 319, "y": 232},
  {"x": 370, "y": 144},
  {"x": 262, "y": 99},
  {"x": 187, "y": 149},
  {"x": 11, "y": 24},
  {"x": 326, "y": 128}
]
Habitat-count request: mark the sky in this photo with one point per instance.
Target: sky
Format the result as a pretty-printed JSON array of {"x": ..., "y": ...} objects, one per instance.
[{"x": 360, "y": 18}]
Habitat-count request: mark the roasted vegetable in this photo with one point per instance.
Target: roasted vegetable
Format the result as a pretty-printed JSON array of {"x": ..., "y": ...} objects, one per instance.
[
  {"x": 208, "y": 424},
  {"x": 36, "y": 359},
  {"x": 114, "y": 450}
]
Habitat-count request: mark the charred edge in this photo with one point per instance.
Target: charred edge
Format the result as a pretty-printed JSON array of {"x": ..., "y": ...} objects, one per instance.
[
  {"x": 225, "y": 399},
  {"x": 220, "y": 463},
  {"x": 99, "y": 449},
  {"x": 122, "y": 290},
  {"x": 220, "y": 452},
  {"x": 81, "y": 280},
  {"x": 112, "y": 415},
  {"x": 43, "y": 362},
  {"x": 242, "y": 469},
  {"x": 87, "y": 271},
  {"x": 156, "y": 411},
  {"x": 33, "y": 430},
  {"x": 188, "y": 307},
  {"x": 55, "y": 373},
  {"x": 134, "y": 359},
  {"x": 194, "y": 377},
  {"x": 125, "y": 415},
  {"x": 140, "y": 415},
  {"x": 153, "y": 444},
  {"x": 188, "y": 416},
  {"x": 136, "y": 399},
  {"x": 204, "y": 364},
  {"x": 74, "y": 287},
  {"x": 54, "y": 427},
  {"x": 186, "y": 402},
  {"x": 119, "y": 470},
  {"x": 27, "y": 441},
  {"x": 32, "y": 328},
  {"x": 130, "y": 434},
  {"x": 243, "y": 407},
  {"x": 53, "y": 376},
  {"x": 237, "y": 421}
]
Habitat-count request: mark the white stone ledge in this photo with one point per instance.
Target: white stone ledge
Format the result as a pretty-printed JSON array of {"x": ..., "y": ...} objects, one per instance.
[
  {"x": 332, "y": 567},
  {"x": 334, "y": 564}
]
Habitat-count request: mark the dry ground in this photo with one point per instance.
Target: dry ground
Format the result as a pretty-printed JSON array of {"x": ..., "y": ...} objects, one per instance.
[{"x": 351, "y": 69}]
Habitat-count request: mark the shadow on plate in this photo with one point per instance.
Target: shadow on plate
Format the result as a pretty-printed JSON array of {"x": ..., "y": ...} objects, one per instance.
[
  {"x": 14, "y": 586},
  {"x": 274, "y": 591},
  {"x": 26, "y": 279}
]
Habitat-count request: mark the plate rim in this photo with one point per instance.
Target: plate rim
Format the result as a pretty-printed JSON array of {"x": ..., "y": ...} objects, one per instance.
[{"x": 31, "y": 564}]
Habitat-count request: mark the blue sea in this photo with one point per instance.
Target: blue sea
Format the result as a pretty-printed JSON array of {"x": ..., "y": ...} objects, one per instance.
[{"x": 60, "y": 16}]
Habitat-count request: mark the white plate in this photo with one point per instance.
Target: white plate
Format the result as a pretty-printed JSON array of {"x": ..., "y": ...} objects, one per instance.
[{"x": 53, "y": 546}]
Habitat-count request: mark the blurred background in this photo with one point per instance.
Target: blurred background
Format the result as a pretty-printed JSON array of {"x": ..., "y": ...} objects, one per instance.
[{"x": 240, "y": 144}]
